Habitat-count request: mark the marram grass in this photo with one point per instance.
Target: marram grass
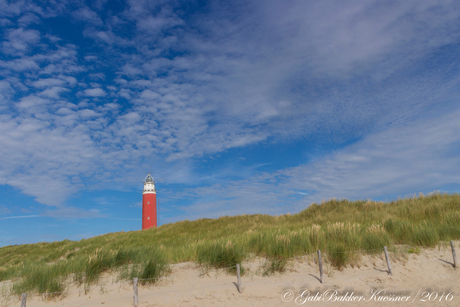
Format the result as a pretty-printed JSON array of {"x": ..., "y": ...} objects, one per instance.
[
  {"x": 221, "y": 255},
  {"x": 335, "y": 227}
]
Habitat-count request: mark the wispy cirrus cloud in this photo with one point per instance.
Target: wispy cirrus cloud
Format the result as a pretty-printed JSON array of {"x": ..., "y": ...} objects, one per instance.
[
  {"x": 18, "y": 217},
  {"x": 402, "y": 160}
]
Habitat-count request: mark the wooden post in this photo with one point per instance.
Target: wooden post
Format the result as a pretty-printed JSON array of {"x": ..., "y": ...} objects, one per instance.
[
  {"x": 453, "y": 253},
  {"x": 135, "y": 292},
  {"x": 238, "y": 277},
  {"x": 24, "y": 300},
  {"x": 320, "y": 267},
  {"x": 388, "y": 260}
]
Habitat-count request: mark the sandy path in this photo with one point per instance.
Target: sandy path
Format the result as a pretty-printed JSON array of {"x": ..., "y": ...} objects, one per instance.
[{"x": 415, "y": 276}]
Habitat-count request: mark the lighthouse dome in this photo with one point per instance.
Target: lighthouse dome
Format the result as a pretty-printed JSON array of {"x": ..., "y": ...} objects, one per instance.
[
  {"x": 149, "y": 184},
  {"x": 149, "y": 179}
]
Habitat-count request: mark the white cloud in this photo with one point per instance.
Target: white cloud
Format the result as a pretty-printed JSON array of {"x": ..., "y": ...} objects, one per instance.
[
  {"x": 90, "y": 58},
  {"x": 99, "y": 4},
  {"x": 19, "y": 217},
  {"x": 155, "y": 24},
  {"x": 410, "y": 157},
  {"x": 219, "y": 81},
  {"x": 404, "y": 159},
  {"x": 5, "y": 91},
  {"x": 107, "y": 37},
  {"x": 48, "y": 82},
  {"x": 100, "y": 76},
  {"x": 52, "y": 38},
  {"x": 53, "y": 92},
  {"x": 88, "y": 113},
  {"x": 27, "y": 19},
  {"x": 19, "y": 40},
  {"x": 94, "y": 92},
  {"x": 88, "y": 15},
  {"x": 148, "y": 94},
  {"x": 129, "y": 70},
  {"x": 32, "y": 103},
  {"x": 24, "y": 64}
]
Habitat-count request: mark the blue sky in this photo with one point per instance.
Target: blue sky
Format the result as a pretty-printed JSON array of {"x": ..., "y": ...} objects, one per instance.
[{"x": 237, "y": 107}]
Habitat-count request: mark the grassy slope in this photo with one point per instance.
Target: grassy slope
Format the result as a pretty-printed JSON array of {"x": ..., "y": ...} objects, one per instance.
[{"x": 333, "y": 227}]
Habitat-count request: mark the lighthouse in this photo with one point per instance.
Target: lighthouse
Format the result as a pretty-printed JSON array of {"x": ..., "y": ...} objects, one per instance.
[{"x": 149, "y": 203}]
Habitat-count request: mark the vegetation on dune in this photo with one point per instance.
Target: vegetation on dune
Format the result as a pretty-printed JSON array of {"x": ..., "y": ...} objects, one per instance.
[
  {"x": 220, "y": 255},
  {"x": 335, "y": 227}
]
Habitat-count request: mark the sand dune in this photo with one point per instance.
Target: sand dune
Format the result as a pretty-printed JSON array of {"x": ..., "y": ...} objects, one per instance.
[{"x": 415, "y": 277}]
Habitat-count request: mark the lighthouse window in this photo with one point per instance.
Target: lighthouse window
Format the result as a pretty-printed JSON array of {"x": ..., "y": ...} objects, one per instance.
[
  {"x": 148, "y": 218},
  {"x": 148, "y": 203}
]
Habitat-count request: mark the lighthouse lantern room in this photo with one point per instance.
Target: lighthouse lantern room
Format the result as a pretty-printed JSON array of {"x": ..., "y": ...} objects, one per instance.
[{"x": 149, "y": 203}]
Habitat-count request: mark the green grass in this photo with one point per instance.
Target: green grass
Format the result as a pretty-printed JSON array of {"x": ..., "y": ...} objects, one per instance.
[
  {"x": 221, "y": 255},
  {"x": 338, "y": 254},
  {"x": 42, "y": 279},
  {"x": 334, "y": 227}
]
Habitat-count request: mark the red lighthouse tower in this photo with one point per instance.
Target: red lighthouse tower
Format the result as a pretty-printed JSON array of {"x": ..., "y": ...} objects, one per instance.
[{"x": 149, "y": 203}]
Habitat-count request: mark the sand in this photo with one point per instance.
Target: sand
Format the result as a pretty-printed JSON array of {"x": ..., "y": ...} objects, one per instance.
[{"x": 417, "y": 279}]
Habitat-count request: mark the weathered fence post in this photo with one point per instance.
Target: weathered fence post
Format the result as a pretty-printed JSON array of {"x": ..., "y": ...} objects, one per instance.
[
  {"x": 24, "y": 300},
  {"x": 136, "y": 301},
  {"x": 238, "y": 277},
  {"x": 320, "y": 262},
  {"x": 453, "y": 253},
  {"x": 388, "y": 260}
]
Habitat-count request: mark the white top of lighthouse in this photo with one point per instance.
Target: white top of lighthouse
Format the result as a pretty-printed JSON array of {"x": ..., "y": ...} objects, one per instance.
[{"x": 149, "y": 185}]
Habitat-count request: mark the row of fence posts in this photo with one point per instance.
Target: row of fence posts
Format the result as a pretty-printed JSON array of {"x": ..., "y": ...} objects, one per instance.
[{"x": 320, "y": 263}]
